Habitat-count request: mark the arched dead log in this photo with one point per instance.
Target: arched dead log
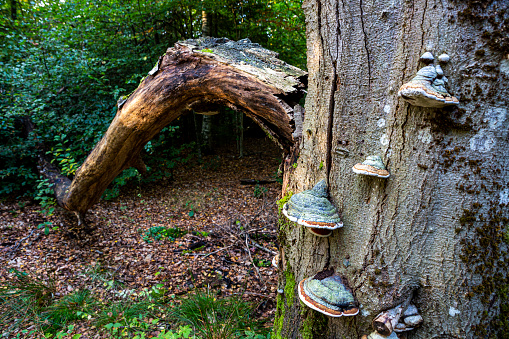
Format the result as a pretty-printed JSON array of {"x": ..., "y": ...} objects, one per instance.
[{"x": 191, "y": 75}]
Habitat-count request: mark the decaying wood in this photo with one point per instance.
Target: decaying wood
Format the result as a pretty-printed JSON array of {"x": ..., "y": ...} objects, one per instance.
[
  {"x": 193, "y": 74},
  {"x": 256, "y": 181},
  {"x": 386, "y": 321}
]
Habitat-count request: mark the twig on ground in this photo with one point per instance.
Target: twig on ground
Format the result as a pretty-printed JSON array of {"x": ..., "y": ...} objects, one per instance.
[
  {"x": 262, "y": 248},
  {"x": 254, "y": 265},
  {"x": 269, "y": 296},
  {"x": 207, "y": 254},
  {"x": 15, "y": 247}
]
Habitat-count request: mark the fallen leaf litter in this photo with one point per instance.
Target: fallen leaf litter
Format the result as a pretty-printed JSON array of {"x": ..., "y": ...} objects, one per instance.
[{"x": 226, "y": 218}]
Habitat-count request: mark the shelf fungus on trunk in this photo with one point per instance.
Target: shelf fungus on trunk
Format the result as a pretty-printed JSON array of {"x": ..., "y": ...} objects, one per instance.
[
  {"x": 427, "y": 58},
  {"x": 427, "y": 88},
  {"x": 312, "y": 209},
  {"x": 327, "y": 293},
  {"x": 373, "y": 166}
]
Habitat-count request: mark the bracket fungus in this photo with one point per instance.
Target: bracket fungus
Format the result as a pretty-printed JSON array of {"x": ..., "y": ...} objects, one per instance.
[
  {"x": 312, "y": 209},
  {"x": 427, "y": 88},
  {"x": 328, "y": 294},
  {"x": 373, "y": 166},
  {"x": 427, "y": 58},
  {"x": 443, "y": 58}
]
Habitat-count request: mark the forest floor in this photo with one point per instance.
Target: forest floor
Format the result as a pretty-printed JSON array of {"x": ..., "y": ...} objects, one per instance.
[{"x": 229, "y": 243}]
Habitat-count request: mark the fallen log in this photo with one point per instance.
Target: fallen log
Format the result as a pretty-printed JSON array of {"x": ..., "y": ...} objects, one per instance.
[
  {"x": 257, "y": 182},
  {"x": 193, "y": 75}
]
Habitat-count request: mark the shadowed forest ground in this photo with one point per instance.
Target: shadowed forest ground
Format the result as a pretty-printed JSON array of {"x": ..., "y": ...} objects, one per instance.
[{"x": 207, "y": 201}]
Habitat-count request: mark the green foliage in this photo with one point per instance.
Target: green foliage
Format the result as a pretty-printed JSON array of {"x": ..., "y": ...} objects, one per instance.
[
  {"x": 63, "y": 156},
  {"x": 67, "y": 333},
  {"x": 262, "y": 263},
  {"x": 23, "y": 300},
  {"x": 44, "y": 195},
  {"x": 281, "y": 202},
  {"x": 161, "y": 232},
  {"x": 46, "y": 225},
  {"x": 192, "y": 209},
  {"x": 183, "y": 332},
  {"x": 259, "y": 191},
  {"x": 30, "y": 307},
  {"x": 66, "y": 309}
]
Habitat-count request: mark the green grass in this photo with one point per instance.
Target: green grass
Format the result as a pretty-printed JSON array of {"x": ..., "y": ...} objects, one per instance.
[
  {"x": 31, "y": 308},
  {"x": 22, "y": 302},
  {"x": 214, "y": 318},
  {"x": 66, "y": 310}
]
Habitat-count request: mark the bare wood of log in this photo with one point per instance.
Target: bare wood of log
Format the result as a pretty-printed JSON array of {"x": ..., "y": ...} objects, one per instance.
[
  {"x": 241, "y": 75},
  {"x": 386, "y": 321}
]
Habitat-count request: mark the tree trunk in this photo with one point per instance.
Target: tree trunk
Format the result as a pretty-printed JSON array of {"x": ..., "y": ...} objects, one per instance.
[
  {"x": 205, "y": 142},
  {"x": 437, "y": 227},
  {"x": 239, "y": 131},
  {"x": 14, "y": 9},
  {"x": 191, "y": 76}
]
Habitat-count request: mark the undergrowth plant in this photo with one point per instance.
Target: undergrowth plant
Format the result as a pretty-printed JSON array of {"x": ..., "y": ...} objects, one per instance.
[
  {"x": 214, "y": 318},
  {"x": 23, "y": 301},
  {"x": 31, "y": 308},
  {"x": 259, "y": 191},
  {"x": 45, "y": 196},
  {"x": 161, "y": 232},
  {"x": 63, "y": 156}
]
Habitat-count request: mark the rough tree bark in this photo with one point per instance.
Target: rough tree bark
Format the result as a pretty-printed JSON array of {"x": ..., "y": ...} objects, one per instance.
[
  {"x": 437, "y": 227},
  {"x": 191, "y": 76}
]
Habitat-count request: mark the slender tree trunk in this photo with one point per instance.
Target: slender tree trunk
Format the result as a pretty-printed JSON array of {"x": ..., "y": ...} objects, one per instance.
[
  {"x": 239, "y": 127},
  {"x": 206, "y": 23},
  {"x": 14, "y": 9},
  {"x": 437, "y": 227},
  {"x": 206, "y": 126}
]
